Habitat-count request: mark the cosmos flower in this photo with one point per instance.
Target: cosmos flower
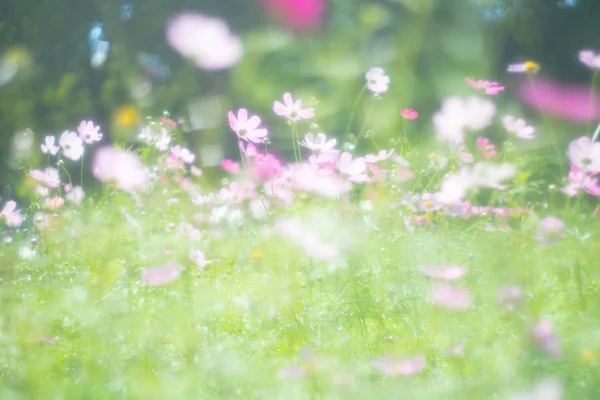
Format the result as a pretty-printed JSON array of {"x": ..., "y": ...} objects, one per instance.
[
  {"x": 404, "y": 367},
  {"x": 75, "y": 195},
  {"x": 487, "y": 149},
  {"x": 489, "y": 87},
  {"x": 11, "y": 215},
  {"x": 205, "y": 40},
  {"x": 590, "y": 58},
  {"x": 163, "y": 275},
  {"x": 518, "y": 127},
  {"x": 457, "y": 116},
  {"x": 247, "y": 128},
  {"x": 88, "y": 132},
  {"x": 292, "y": 110},
  {"x": 353, "y": 168},
  {"x": 445, "y": 272},
  {"x": 297, "y": 15},
  {"x": 510, "y": 297},
  {"x": 550, "y": 230},
  {"x": 120, "y": 167},
  {"x": 71, "y": 144},
  {"x": 530, "y": 67},
  {"x": 48, "y": 176},
  {"x": 49, "y": 146},
  {"x": 230, "y": 166},
  {"x": 318, "y": 143},
  {"x": 584, "y": 154},
  {"x": 377, "y": 81},
  {"x": 451, "y": 297},
  {"x": 545, "y": 338},
  {"x": 409, "y": 113}
]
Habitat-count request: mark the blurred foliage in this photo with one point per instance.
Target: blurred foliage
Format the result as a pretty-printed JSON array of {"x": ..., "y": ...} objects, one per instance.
[{"x": 427, "y": 47}]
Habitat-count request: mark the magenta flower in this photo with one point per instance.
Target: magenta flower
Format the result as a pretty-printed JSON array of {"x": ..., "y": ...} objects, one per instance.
[
  {"x": 377, "y": 81},
  {"x": 230, "y": 166},
  {"x": 159, "y": 276},
  {"x": 545, "y": 338},
  {"x": 451, "y": 297},
  {"x": 292, "y": 110},
  {"x": 571, "y": 102},
  {"x": 550, "y": 231},
  {"x": 71, "y": 144},
  {"x": 48, "y": 176},
  {"x": 297, "y": 15},
  {"x": 510, "y": 297},
  {"x": 579, "y": 180},
  {"x": 445, "y": 272},
  {"x": 584, "y": 154},
  {"x": 487, "y": 149},
  {"x": 408, "y": 366},
  {"x": 590, "y": 58},
  {"x": 319, "y": 143},
  {"x": 489, "y": 87},
  {"x": 247, "y": 128},
  {"x": 120, "y": 167},
  {"x": 518, "y": 127},
  {"x": 49, "y": 146},
  {"x": 409, "y": 113},
  {"x": 11, "y": 215},
  {"x": 88, "y": 132},
  {"x": 205, "y": 40}
]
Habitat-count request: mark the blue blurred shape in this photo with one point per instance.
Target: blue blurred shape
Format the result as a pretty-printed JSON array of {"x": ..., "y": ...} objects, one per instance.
[
  {"x": 96, "y": 33},
  {"x": 126, "y": 12},
  {"x": 570, "y": 3},
  {"x": 98, "y": 46},
  {"x": 491, "y": 11},
  {"x": 154, "y": 66}
]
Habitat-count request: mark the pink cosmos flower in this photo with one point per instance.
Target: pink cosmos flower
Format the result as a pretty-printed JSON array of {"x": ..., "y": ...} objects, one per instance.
[
  {"x": 11, "y": 215},
  {"x": 550, "y": 231},
  {"x": 49, "y": 146},
  {"x": 179, "y": 156},
  {"x": 237, "y": 193},
  {"x": 571, "y": 102},
  {"x": 195, "y": 170},
  {"x": 319, "y": 143},
  {"x": 590, "y": 58},
  {"x": 306, "y": 178},
  {"x": 486, "y": 149},
  {"x": 382, "y": 155},
  {"x": 42, "y": 190},
  {"x": 546, "y": 389},
  {"x": 545, "y": 338},
  {"x": 579, "y": 180},
  {"x": 297, "y": 15},
  {"x": 451, "y": 297},
  {"x": 205, "y": 40},
  {"x": 458, "y": 116},
  {"x": 75, "y": 195},
  {"x": 247, "y": 128},
  {"x": 391, "y": 367},
  {"x": 377, "y": 81},
  {"x": 230, "y": 166},
  {"x": 71, "y": 144},
  {"x": 54, "y": 202},
  {"x": 518, "y": 126},
  {"x": 88, "y": 132},
  {"x": 445, "y": 272},
  {"x": 48, "y": 176},
  {"x": 159, "y": 276},
  {"x": 584, "y": 154},
  {"x": 489, "y": 87},
  {"x": 265, "y": 168},
  {"x": 292, "y": 110},
  {"x": 510, "y": 297},
  {"x": 120, "y": 167},
  {"x": 198, "y": 258},
  {"x": 353, "y": 168},
  {"x": 526, "y": 67},
  {"x": 409, "y": 113}
]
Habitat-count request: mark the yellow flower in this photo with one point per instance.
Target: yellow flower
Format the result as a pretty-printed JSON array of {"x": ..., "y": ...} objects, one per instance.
[
  {"x": 126, "y": 116},
  {"x": 256, "y": 255}
]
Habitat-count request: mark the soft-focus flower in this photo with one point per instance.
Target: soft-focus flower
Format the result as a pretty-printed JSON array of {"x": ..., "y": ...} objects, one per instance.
[
  {"x": 319, "y": 143},
  {"x": 195, "y": 170},
  {"x": 382, "y": 155},
  {"x": 485, "y": 174},
  {"x": 49, "y": 146},
  {"x": 159, "y": 276},
  {"x": 585, "y": 154},
  {"x": 545, "y": 338},
  {"x": 236, "y": 193},
  {"x": 445, "y": 272},
  {"x": 54, "y": 202},
  {"x": 297, "y": 15},
  {"x": 409, "y": 113},
  {"x": 88, "y": 132},
  {"x": 518, "y": 126},
  {"x": 71, "y": 144},
  {"x": 157, "y": 137},
  {"x": 458, "y": 116},
  {"x": 230, "y": 166},
  {"x": 550, "y": 230},
  {"x": 568, "y": 101},
  {"x": 120, "y": 167},
  {"x": 489, "y": 87},
  {"x": 48, "y": 176},
  {"x": 247, "y": 128},
  {"x": 547, "y": 389},
  {"x": 75, "y": 195},
  {"x": 590, "y": 58},
  {"x": 377, "y": 81},
  {"x": 510, "y": 297},
  {"x": 487, "y": 149},
  {"x": 12, "y": 216},
  {"x": 408, "y": 366},
  {"x": 530, "y": 67},
  {"x": 205, "y": 40},
  {"x": 458, "y": 350},
  {"x": 292, "y": 110},
  {"x": 307, "y": 239},
  {"x": 198, "y": 258},
  {"x": 179, "y": 156},
  {"x": 188, "y": 230},
  {"x": 451, "y": 297},
  {"x": 42, "y": 190},
  {"x": 306, "y": 178},
  {"x": 353, "y": 168},
  {"x": 580, "y": 180}
]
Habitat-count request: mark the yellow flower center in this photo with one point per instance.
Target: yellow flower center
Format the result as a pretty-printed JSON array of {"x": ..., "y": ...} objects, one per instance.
[{"x": 532, "y": 66}]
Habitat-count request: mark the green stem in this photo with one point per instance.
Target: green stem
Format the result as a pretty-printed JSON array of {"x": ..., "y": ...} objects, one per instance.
[
  {"x": 81, "y": 173},
  {"x": 62, "y": 165},
  {"x": 596, "y": 133},
  {"x": 592, "y": 86},
  {"x": 354, "y": 109}
]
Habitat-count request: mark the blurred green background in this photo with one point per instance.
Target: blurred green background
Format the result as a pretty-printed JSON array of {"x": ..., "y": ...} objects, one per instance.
[{"x": 427, "y": 47}]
